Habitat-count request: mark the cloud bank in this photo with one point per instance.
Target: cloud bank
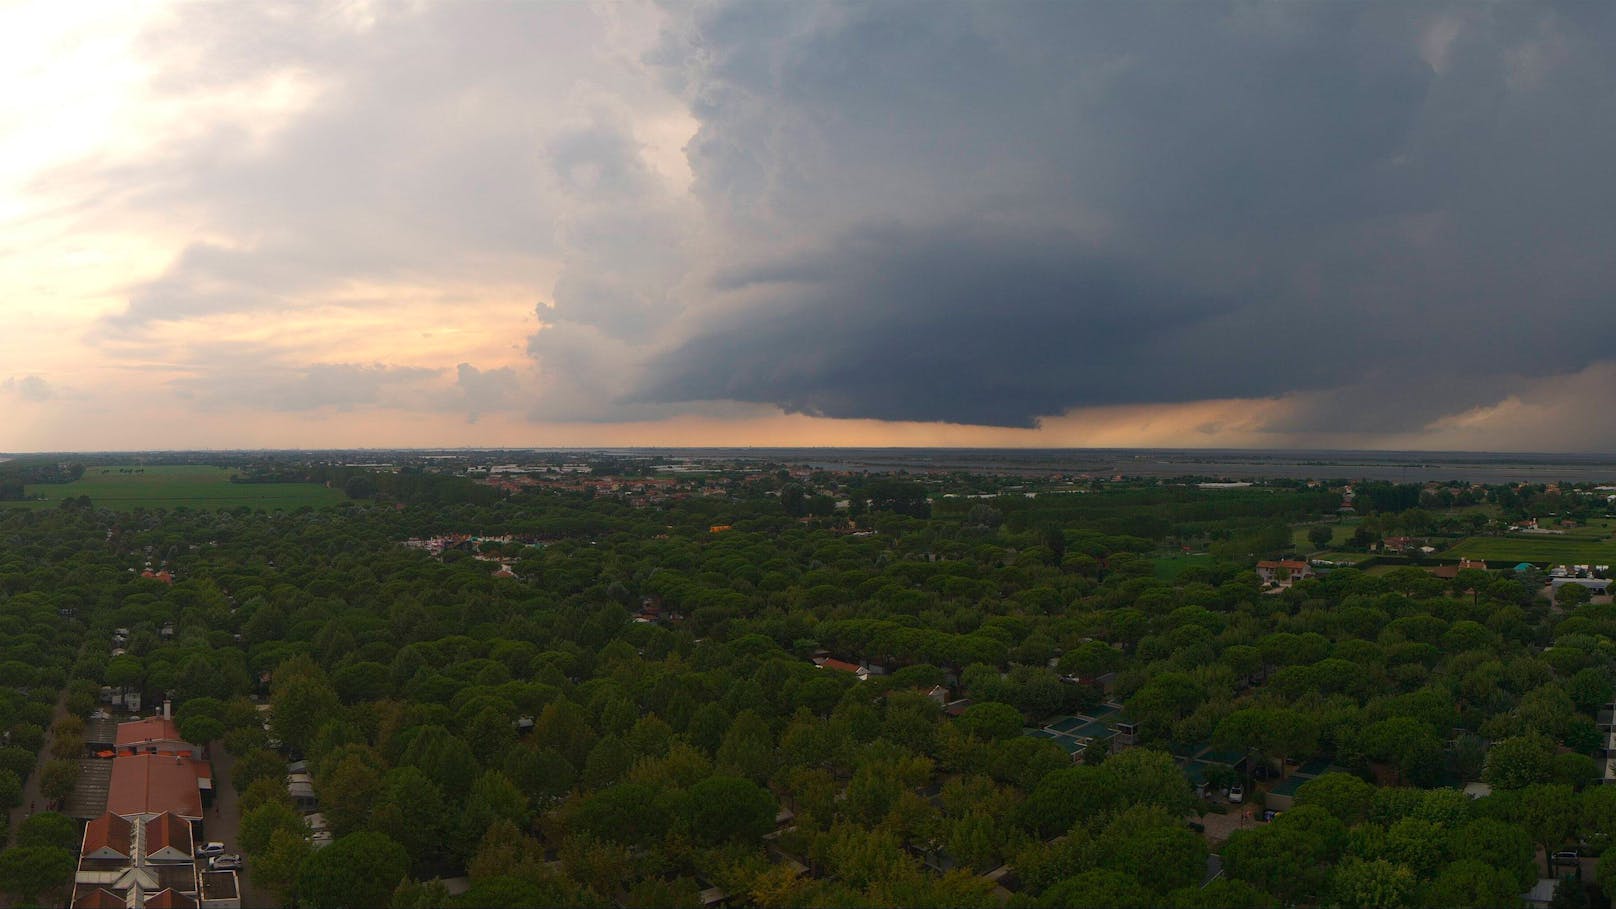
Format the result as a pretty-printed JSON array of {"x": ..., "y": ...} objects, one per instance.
[
  {"x": 1388, "y": 211},
  {"x": 1374, "y": 223}
]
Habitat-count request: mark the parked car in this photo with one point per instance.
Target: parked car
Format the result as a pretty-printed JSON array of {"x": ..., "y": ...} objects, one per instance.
[
  {"x": 1237, "y": 794},
  {"x": 209, "y": 850},
  {"x": 1567, "y": 857},
  {"x": 229, "y": 862}
]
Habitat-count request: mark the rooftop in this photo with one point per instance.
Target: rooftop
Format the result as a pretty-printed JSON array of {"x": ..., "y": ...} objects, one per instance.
[
  {"x": 99, "y": 898},
  {"x": 150, "y": 729},
  {"x": 108, "y": 832},
  {"x": 839, "y": 665},
  {"x": 220, "y": 885},
  {"x": 169, "y": 899},
  {"x": 166, "y": 831},
  {"x": 153, "y": 784}
]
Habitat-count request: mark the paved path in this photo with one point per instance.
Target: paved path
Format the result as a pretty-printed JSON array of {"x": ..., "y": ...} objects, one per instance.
[
  {"x": 223, "y": 823},
  {"x": 31, "y": 799}
]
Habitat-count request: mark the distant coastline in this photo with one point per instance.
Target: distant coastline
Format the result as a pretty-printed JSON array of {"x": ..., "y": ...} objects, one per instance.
[
  {"x": 1211, "y": 464},
  {"x": 1393, "y": 466}
]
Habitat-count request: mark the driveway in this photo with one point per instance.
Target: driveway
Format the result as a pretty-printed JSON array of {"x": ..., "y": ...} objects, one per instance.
[{"x": 223, "y": 823}]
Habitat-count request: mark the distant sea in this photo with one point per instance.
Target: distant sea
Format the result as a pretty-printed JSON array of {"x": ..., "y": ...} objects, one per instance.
[{"x": 1394, "y": 466}]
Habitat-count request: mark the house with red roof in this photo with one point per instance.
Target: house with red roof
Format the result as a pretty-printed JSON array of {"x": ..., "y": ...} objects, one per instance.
[
  {"x": 1283, "y": 572},
  {"x": 154, "y": 735},
  {"x": 1449, "y": 572},
  {"x": 862, "y": 672}
]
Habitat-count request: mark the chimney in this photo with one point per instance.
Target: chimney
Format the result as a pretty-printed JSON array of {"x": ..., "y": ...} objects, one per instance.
[{"x": 167, "y": 713}]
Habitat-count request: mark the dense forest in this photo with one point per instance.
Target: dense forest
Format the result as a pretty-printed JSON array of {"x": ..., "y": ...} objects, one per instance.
[{"x": 630, "y": 709}]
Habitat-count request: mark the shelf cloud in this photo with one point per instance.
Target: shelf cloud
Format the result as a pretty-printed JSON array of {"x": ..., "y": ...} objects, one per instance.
[{"x": 1377, "y": 223}]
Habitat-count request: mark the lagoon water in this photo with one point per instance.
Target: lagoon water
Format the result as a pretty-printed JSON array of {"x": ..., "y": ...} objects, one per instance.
[{"x": 1393, "y": 466}]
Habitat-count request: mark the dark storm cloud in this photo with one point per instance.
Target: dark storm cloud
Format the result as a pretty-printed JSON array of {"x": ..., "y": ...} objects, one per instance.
[
  {"x": 989, "y": 213},
  {"x": 1386, "y": 213},
  {"x": 963, "y": 324}
]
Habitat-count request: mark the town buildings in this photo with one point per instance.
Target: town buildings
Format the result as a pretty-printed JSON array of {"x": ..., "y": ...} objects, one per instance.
[{"x": 141, "y": 854}]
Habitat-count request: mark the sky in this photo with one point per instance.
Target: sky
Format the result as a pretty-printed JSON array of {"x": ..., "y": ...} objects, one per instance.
[{"x": 1051, "y": 224}]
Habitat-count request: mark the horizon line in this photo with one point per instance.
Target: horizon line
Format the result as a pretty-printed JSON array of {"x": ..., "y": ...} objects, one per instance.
[{"x": 784, "y": 448}]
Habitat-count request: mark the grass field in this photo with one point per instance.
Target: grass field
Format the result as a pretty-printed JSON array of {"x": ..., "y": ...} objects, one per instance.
[
  {"x": 1557, "y": 550},
  {"x": 1342, "y": 531},
  {"x": 172, "y": 487},
  {"x": 1168, "y": 567}
]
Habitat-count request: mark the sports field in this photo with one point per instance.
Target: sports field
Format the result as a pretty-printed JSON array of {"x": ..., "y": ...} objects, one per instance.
[{"x": 172, "y": 487}]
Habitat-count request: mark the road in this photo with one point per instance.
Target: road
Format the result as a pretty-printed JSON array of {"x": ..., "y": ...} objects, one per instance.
[{"x": 223, "y": 823}]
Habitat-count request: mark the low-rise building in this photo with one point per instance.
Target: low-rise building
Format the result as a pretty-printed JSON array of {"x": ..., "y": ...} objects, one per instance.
[
  {"x": 154, "y": 735},
  {"x": 832, "y": 663},
  {"x": 129, "y": 862},
  {"x": 1283, "y": 572},
  {"x": 146, "y": 785}
]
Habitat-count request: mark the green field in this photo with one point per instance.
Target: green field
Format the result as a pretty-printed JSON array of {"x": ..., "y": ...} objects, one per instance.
[
  {"x": 1168, "y": 567},
  {"x": 1501, "y": 552},
  {"x": 1589, "y": 545},
  {"x": 1342, "y": 531},
  {"x": 172, "y": 487}
]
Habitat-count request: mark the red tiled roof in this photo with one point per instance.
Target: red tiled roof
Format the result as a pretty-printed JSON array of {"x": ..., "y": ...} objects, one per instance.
[
  {"x": 153, "y": 784},
  {"x": 101, "y": 898},
  {"x": 108, "y": 831},
  {"x": 169, "y": 899},
  {"x": 1292, "y": 565},
  {"x": 150, "y": 729},
  {"x": 167, "y": 831},
  {"x": 840, "y": 665}
]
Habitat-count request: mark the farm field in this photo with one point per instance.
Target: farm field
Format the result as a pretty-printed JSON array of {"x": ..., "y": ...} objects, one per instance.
[
  {"x": 1590, "y": 545},
  {"x": 175, "y": 486}
]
